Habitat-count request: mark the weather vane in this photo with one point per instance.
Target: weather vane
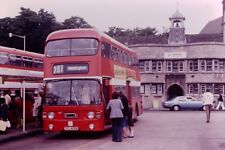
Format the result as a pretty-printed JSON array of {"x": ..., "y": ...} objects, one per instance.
[{"x": 178, "y": 4}]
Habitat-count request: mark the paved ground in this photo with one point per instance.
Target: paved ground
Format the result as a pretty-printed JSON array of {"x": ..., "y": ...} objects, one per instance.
[{"x": 155, "y": 130}]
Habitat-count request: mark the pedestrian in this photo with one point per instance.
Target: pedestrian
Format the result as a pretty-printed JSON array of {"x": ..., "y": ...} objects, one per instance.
[
  {"x": 208, "y": 99},
  {"x": 130, "y": 123},
  {"x": 7, "y": 97},
  {"x": 3, "y": 113},
  {"x": 18, "y": 109},
  {"x": 41, "y": 110},
  {"x": 36, "y": 107},
  {"x": 220, "y": 103},
  {"x": 124, "y": 101},
  {"x": 116, "y": 115}
]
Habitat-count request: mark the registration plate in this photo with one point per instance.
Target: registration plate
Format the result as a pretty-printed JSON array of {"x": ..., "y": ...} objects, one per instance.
[{"x": 70, "y": 128}]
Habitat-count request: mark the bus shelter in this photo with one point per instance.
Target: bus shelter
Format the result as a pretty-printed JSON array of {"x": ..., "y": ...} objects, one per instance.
[{"x": 26, "y": 80}]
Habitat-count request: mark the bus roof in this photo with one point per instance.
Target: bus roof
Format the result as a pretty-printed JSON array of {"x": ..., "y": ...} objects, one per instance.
[
  {"x": 85, "y": 33},
  {"x": 20, "y": 52}
]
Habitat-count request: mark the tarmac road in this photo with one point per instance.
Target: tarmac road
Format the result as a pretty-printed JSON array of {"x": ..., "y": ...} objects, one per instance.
[{"x": 154, "y": 130}]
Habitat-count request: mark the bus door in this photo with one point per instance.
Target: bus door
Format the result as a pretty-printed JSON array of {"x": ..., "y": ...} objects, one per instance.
[
  {"x": 129, "y": 94},
  {"x": 106, "y": 90}
]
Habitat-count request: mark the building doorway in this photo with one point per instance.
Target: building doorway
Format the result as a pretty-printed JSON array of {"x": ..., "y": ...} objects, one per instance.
[{"x": 174, "y": 91}]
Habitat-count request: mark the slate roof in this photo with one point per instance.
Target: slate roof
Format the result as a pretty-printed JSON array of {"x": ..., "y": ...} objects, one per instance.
[{"x": 213, "y": 27}]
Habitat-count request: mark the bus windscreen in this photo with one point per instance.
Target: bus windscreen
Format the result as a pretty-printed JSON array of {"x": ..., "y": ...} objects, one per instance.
[{"x": 72, "y": 92}]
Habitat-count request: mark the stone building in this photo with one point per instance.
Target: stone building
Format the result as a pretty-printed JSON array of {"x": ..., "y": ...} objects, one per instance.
[{"x": 185, "y": 65}]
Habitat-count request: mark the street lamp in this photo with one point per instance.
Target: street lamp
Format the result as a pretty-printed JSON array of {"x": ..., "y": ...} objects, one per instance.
[
  {"x": 22, "y": 84},
  {"x": 23, "y": 37}
]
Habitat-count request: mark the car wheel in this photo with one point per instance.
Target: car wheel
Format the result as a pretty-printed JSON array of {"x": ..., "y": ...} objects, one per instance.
[
  {"x": 176, "y": 108},
  {"x": 203, "y": 108}
]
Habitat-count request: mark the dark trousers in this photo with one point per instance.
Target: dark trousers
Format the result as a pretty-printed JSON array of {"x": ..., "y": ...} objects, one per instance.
[
  {"x": 117, "y": 129},
  {"x": 208, "y": 112}
]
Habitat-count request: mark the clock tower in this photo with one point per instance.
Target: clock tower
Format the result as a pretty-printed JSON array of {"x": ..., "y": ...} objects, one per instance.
[{"x": 177, "y": 30}]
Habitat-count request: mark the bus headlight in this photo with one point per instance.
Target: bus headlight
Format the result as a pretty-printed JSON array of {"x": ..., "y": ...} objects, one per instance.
[
  {"x": 91, "y": 115},
  {"x": 51, "y": 115}
]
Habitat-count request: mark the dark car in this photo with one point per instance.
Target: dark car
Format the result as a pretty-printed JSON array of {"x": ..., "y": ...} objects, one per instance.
[{"x": 184, "y": 102}]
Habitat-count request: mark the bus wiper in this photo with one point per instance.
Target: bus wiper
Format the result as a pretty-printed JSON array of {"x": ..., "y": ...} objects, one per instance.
[{"x": 76, "y": 99}]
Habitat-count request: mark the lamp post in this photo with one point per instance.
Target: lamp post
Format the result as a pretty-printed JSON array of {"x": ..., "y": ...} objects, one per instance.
[
  {"x": 22, "y": 84},
  {"x": 23, "y": 37}
]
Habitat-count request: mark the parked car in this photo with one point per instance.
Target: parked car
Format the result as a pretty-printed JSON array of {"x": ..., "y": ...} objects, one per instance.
[{"x": 183, "y": 102}]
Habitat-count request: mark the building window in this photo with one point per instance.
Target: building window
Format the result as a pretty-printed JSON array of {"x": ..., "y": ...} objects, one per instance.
[
  {"x": 169, "y": 66},
  {"x": 216, "y": 65},
  {"x": 208, "y": 65},
  {"x": 154, "y": 66},
  {"x": 193, "y": 65},
  {"x": 153, "y": 89},
  {"x": 156, "y": 89},
  {"x": 142, "y": 89},
  {"x": 193, "y": 88},
  {"x": 218, "y": 89},
  {"x": 209, "y": 87},
  {"x": 147, "y": 66},
  {"x": 181, "y": 66},
  {"x": 203, "y": 65},
  {"x": 202, "y": 88},
  {"x": 142, "y": 66},
  {"x": 175, "y": 66},
  {"x": 159, "y": 66},
  {"x": 221, "y": 65}
]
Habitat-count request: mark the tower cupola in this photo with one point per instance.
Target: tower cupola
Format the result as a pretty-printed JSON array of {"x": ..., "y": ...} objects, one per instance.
[{"x": 177, "y": 29}]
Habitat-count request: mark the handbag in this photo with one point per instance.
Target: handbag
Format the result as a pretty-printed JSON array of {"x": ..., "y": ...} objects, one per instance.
[
  {"x": 8, "y": 124},
  {"x": 2, "y": 125}
]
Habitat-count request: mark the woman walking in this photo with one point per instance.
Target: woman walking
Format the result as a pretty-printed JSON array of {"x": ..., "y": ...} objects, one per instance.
[
  {"x": 116, "y": 106},
  {"x": 220, "y": 103},
  {"x": 130, "y": 123}
]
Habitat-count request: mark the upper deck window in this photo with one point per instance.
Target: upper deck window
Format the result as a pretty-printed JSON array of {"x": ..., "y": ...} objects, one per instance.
[
  {"x": 72, "y": 47},
  {"x": 4, "y": 58},
  {"x": 27, "y": 61},
  {"x": 38, "y": 63},
  {"x": 15, "y": 60}
]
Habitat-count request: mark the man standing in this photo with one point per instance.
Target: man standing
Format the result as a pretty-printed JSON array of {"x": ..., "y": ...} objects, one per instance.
[{"x": 208, "y": 99}]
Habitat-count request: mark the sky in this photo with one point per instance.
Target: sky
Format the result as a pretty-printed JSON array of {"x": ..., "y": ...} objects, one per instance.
[{"x": 126, "y": 14}]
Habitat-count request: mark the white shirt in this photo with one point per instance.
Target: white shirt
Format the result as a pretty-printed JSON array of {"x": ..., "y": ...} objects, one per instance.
[
  {"x": 208, "y": 98},
  {"x": 116, "y": 108},
  {"x": 7, "y": 99}
]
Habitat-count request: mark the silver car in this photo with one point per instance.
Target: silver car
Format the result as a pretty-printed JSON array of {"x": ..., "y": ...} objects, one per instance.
[{"x": 183, "y": 102}]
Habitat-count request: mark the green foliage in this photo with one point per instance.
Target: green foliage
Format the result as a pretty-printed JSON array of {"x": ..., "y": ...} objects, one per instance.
[
  {"x": 136, "y": 32},
  {"x": 36, "y": 26},
  {"x": 75, "y": 22}
]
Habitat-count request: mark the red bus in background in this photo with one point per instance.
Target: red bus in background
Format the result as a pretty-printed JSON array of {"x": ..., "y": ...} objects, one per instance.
[
  {"x": 20, "y": 70},
  {"x": 82, "y": 68}
]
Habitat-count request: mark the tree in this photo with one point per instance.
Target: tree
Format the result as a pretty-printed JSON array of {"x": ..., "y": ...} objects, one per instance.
[
  {"x": 5, "y": 27},
  {"x": 116, "y": 31},
  {"x": 35, "y": 26},
  {"x": 75, "y": 22},
  {"x": 136, "y": 32}
]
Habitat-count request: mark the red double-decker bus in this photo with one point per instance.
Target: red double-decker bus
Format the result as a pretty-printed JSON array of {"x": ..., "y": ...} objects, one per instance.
[
  {"x": 82, "y": 68},
  {"x": 20, "y": 71}
]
